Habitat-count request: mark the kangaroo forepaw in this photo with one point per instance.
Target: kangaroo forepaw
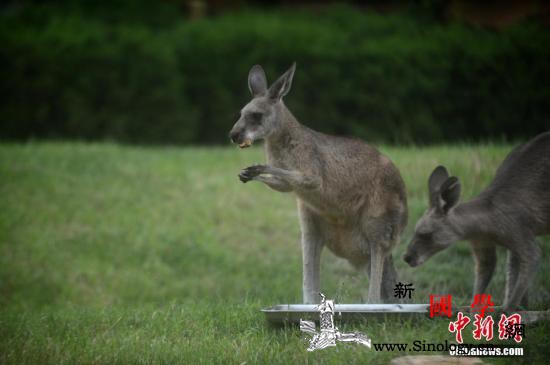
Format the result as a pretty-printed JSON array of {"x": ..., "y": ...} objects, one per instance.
[{"x": 251, "y": 172}]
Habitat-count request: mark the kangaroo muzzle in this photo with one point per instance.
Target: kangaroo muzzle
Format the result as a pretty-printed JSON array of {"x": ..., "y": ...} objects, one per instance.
[
  {"x": 240, "y": 139},
  {"x": 411, "y": 259}
]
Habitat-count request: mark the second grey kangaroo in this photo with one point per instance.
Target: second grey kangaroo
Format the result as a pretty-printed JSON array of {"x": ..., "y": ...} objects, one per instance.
[
  {"x": 512, "y": 211},
  {"x": 350, "y": 197}
]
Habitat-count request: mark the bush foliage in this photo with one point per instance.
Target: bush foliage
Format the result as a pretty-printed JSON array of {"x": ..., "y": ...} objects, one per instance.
[{"x": 393, "y": 78}]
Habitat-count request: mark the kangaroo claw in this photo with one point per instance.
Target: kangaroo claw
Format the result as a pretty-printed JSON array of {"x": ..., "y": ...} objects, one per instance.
[{"x": 251, "y": 172}]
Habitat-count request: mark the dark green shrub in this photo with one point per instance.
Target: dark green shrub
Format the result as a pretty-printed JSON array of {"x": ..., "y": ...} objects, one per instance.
[
  {"x": 80, "y": 79},
  {"x": 392, "y": 78}
]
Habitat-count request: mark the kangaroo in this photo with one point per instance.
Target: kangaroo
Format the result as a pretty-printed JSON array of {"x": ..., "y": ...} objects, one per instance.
[
  {"x": 512, "y": 211},
  {"x": 350, "y": 197}
]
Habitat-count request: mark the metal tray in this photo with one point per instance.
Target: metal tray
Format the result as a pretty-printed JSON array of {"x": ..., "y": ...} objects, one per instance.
[{"x": 292, "y": 313}]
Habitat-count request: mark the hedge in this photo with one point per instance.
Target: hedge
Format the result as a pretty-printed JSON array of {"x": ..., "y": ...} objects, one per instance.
[{"x": 393, "y": 78}]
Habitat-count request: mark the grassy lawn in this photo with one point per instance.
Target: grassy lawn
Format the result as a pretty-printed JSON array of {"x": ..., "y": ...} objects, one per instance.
[{"x": 112, "y": 254}]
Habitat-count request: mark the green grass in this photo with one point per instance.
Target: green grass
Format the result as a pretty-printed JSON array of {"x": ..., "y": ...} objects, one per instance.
[{"x": 113, "y": 254}]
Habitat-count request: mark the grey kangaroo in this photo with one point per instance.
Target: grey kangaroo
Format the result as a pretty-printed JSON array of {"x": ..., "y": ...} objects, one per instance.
[
  {"x": 511, "y": 212},
  {"x": 350, "y": 197}
]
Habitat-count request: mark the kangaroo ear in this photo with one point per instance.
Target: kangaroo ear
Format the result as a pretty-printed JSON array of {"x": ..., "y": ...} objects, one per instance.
[
  {"x": 281, "y": 87},
  {"x": 257, "y": 82},
  {"x": 437, "y": 178},
  {"x": 450, "y": 193}
]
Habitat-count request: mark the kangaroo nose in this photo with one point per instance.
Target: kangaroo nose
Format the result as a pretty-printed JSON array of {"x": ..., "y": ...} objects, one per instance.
[
  {"x": 409, "y": 259},
  {"x": 234, "y": 136}
]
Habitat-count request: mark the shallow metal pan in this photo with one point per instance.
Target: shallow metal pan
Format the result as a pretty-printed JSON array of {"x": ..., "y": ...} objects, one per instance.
[{"x": 292, "y": 313}]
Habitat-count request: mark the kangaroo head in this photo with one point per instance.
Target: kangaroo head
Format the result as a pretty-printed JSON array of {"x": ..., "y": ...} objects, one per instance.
[
  {"x": 261, "y": 116},
  {"x": 436, "y": 229}
]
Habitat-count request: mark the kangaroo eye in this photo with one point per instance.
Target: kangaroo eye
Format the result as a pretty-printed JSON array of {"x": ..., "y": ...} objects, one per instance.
[
  {"x": 256, "y": 117},
  {"x": 425, "y": 236}
]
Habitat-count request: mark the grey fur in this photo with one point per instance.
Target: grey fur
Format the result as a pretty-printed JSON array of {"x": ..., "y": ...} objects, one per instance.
[
  {"x": 350, "y": 197},
  {"x": 512, "y": 211}
]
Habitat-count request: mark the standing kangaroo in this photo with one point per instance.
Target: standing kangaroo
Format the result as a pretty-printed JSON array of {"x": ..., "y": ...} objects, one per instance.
[
  {"x": 511, "y": 211},
  {"x": 350, "y": 197}
]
